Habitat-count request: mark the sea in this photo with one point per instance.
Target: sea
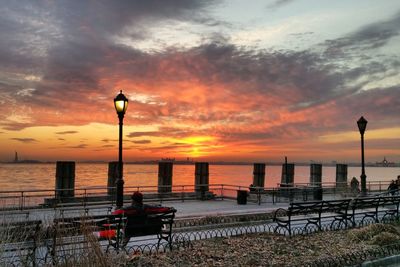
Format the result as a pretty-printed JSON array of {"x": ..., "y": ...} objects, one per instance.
[{"x": 41, "y": 176}]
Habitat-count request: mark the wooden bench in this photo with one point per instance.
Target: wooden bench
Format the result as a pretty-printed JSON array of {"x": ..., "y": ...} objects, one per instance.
[
  {"x": 151, "y": 221},
  {"x": 20, "y": 239},
  {"x": 389, "y": 206},
  {"x": 67, "y": 234},
  {"x": 371, "y": 207},
  {"x": 357, "y": 211},
  {"x": 117, "y": 229},
  {"x": 80, "y": 210},
  {"x": 311, "y": 213}
]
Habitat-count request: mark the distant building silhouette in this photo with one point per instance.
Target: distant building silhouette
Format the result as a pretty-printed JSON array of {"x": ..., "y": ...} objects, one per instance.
[
  {"x": 385, "y": 163},
  {"x": 16, "y": 157}
]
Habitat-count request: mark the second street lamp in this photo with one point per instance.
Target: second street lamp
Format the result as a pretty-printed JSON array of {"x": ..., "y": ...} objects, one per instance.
[
  {"x": 121, "y": 104},
  {"x": 362, "y": 125}
]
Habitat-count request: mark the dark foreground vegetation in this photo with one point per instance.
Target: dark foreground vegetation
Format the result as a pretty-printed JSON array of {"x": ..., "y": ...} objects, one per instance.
[{"x": 319, "y": 249}]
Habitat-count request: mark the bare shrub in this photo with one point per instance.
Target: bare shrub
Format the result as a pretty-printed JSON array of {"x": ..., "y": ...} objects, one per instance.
[
  {"x": 370, "y": 231},
  {"x": 384, "y": 239}
]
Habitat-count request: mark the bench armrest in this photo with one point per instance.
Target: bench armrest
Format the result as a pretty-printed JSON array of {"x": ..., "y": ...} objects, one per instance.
[{"x": 279, "y": 213}]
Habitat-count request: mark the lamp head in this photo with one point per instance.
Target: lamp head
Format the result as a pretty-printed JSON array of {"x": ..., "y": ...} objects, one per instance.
[
  {"x": 121, "y": 104},
  {"x": 362, "y": 125}
]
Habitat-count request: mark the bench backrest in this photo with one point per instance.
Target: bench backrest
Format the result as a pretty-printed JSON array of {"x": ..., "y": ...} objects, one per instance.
[
  {"x": 336, "y": 206},
  {"x": 389, "y": 200},
  {"x": 77, "y": 225},
  {"x": 365, "y": 203},
  {"x": 20, "y": 231},
  {"x": 148, "y": 223},
  {"x": 304, "y": 207},
  {"x": 138, "y": 224}
]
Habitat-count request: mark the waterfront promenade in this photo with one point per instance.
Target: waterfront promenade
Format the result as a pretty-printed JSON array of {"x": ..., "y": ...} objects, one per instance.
[{"x": 186, "y": 209}]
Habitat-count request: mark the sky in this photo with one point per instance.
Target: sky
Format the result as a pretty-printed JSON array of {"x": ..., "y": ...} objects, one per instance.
[{"x": 232, "y": 80}]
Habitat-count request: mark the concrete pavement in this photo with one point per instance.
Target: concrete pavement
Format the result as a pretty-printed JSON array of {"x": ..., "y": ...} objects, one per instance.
[{"x": 186, "y": 209}]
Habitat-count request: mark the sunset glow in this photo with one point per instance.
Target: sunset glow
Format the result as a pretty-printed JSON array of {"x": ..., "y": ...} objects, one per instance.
[{"x": 205, "y": 80}]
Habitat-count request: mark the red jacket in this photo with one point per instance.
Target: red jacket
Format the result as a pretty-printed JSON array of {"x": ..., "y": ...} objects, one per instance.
[{"x": 147, "y": 210}]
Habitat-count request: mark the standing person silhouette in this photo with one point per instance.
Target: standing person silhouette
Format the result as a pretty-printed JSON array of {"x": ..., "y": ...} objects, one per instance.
[{"x": 392, "y": 188}]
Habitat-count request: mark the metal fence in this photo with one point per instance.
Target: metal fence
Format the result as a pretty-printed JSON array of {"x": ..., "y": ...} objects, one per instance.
[{"x": 29, "y": 199}]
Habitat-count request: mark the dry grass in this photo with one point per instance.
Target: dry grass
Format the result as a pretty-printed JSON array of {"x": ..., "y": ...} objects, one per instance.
[
  {"x": 81, "y": 249},
  {"x": 274, "y": 250},
  {"x": 248, "y": 250}
]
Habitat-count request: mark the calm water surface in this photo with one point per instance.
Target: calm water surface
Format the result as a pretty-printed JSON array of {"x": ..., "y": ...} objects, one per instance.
[{"x": 42, "y": 176}]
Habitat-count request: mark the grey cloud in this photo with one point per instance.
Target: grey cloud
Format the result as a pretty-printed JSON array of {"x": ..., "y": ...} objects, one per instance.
[
  {"x": 106, "y": 140},
  {"x": 372, "y": 36},
  {"x": 140, "y": 134},
  {"x": 167, "y": 147},
  {"x": 279, "y": 3},
  {"x": 107, "y": 146},
  {"x": 24, "y": 140},
  {"x": 141, "y": 141},
  {"x": 14, "y": 126},
  {"x": 67, "y": 132},
  {"x": 82, "y": 51},
  {"x": 163, "y": 131},
  {"x": 65, "y": 43},
  {"x": 79, "y": 146},
  {"x": 378, "y": 105}
]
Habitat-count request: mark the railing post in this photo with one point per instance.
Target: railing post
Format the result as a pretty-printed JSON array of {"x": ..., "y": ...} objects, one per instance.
[
  {"x": 84, "y": 197},
  {"x": 21, "y": 201},
  {"x": 272, "y": 195}
]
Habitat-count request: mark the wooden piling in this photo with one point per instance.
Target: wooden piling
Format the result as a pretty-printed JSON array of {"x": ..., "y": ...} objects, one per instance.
[
  {"x": 341, "y": 176},
  {"x": 287, "y": 174},
  {"x": 316, "y": 174},
  {"x": 165, "y": 176},
  {"x": 201, "y": 177},
  {"x": 259, "y": 174},
  {"x": 113, "y": 174},
  {"x": 65, "y": 179}
]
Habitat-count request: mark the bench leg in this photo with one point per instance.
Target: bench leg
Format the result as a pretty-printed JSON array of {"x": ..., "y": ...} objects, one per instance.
[{"x": 167, "y": 237}]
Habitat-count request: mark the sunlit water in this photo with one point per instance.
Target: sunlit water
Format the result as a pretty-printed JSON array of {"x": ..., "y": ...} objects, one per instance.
[{"x": 42, "y": 176}]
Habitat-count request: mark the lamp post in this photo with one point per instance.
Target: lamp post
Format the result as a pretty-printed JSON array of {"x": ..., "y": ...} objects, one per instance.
[
  {"x": 362, "y": 125},
  {"x": 121, "y": 104}
]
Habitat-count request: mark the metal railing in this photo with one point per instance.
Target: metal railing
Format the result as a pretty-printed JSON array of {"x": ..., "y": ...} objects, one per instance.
[{"x": 89, "y": 196}]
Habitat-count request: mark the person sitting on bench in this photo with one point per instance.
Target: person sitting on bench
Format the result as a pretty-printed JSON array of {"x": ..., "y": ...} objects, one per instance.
[{"x": 138, "y": 222}]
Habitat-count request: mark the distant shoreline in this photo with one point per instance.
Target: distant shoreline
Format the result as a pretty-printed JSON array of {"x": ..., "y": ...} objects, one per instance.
[{"x": 211, "y": 163}]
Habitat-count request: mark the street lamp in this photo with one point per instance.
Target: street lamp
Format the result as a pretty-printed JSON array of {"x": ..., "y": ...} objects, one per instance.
[
  {"x": 362, "y": 125},
  {"x": 121, "y": 104}
]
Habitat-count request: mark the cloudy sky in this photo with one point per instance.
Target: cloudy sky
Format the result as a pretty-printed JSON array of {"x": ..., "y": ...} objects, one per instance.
[{"x": 227, "y": 80}]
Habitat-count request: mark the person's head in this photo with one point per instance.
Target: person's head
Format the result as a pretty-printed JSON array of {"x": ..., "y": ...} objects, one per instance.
[{"x": 137, "y": 197}]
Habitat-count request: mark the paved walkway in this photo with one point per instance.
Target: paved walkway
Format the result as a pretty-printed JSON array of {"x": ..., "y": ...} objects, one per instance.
[
  {"x": 219, "y": 207},
  {"x": 186, "y": 209}
]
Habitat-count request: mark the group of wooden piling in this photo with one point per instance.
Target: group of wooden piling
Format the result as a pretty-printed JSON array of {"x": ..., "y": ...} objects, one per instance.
[{"x": 65, "y": 176}]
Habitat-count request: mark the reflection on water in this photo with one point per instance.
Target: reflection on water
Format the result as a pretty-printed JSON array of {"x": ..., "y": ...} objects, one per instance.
[{"x": 42, "y": 176}]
